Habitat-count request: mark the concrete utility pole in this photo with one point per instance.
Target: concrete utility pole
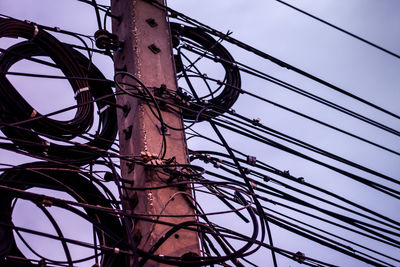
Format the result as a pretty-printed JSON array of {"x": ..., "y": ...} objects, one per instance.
[{"x": 147, "y": 54}]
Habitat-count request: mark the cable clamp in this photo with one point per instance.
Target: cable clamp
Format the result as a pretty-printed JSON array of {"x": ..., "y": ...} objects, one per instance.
[
  {"x": 116, "y": 250},
  {"x": 84, "y": 89},
  {"x": 301, "y": 180},
  {"x": 299, "y": 257},
  {"x": 107, "y": 40},
  {"x": 266, "y": 178},
  {"x": 256, "y": 121}
]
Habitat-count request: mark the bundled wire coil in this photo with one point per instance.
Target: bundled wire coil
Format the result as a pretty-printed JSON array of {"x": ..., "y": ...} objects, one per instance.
[
  {"x": 14, "y": 108},
  {"x": 65, "y": 60},
  {"x": 229, "y": 93},
  {"x": 81, "y": 187}
]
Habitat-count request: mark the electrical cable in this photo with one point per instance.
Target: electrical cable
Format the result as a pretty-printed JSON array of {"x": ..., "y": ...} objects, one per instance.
[
  {"x": 176, "y": 14},
  {"x": 207, "y": 159},
  {"x": 283, "y": 84},
  {"x": 339, "y": 29},
  {"x": 228, "y": 95},
  {"x": 70, "y": 166},
  {"x": 10, "y": 114},
  {"x": 46, "y": 175}
]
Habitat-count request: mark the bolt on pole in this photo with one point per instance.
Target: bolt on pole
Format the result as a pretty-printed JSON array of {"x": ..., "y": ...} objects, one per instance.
[{"x": 147, "y": 54}]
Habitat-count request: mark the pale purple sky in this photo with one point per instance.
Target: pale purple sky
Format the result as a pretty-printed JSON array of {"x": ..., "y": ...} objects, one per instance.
[{"x": 304, "y": 43}]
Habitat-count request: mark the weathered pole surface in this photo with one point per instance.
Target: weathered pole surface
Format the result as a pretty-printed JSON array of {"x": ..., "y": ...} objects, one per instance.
[{"x": 147, "y": 54}]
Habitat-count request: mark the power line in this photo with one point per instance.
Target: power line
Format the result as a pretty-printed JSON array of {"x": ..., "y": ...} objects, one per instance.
[
  {"x": 277, "y": 61},
  {"x": 340, "y": 29}
]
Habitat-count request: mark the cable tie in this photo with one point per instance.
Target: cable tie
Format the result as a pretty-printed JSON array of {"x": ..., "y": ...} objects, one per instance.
[
  {"x": 36, "y": 31},
  {"x": 116, "y": 250},
  {"x": 33, "y": 114},
  {"x": 299, "y": 257},
  {"x": 103, "y": 109},
  {"x": 84, "y": 89},
  {"x": 256, "y": 121}
]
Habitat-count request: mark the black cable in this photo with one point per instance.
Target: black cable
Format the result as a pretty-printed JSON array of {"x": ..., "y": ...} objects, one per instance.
[
  {"x": 314, "y": 119},
  {"x": 286, "y": 196},
  {"x": 96, "y": 8},
  {"x": 386, "y": 221},
  {"x": 146, "y": 92},
  {"x": 243, "y": 175},
  {"x": 42, "y": 41},
  {"x": 384, "y": 189},
  {"x": 305, "y": 93},
  {"x": 339, "y": 29},
  {"x": 47, "y": 175},
  {"x": 351, "y": 221},
  {"x": 267, "y": 130},
  {"x": 264, "y": 55},
  {"x": 333, "y": 234},
  {"x": 199, "y": 111},
  {"x": 96, "y": 88},
  {"x": 228, "y": 95}
]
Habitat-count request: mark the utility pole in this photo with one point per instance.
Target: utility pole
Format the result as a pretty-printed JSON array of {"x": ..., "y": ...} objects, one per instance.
[{"x": 147, "y": 54}]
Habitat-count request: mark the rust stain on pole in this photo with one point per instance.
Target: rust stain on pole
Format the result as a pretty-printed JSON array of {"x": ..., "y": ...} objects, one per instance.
[{"x": 147, "y": 54}]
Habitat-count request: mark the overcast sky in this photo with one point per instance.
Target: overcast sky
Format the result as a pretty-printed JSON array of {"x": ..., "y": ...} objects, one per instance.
[{"x": 300, "y": 41}]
